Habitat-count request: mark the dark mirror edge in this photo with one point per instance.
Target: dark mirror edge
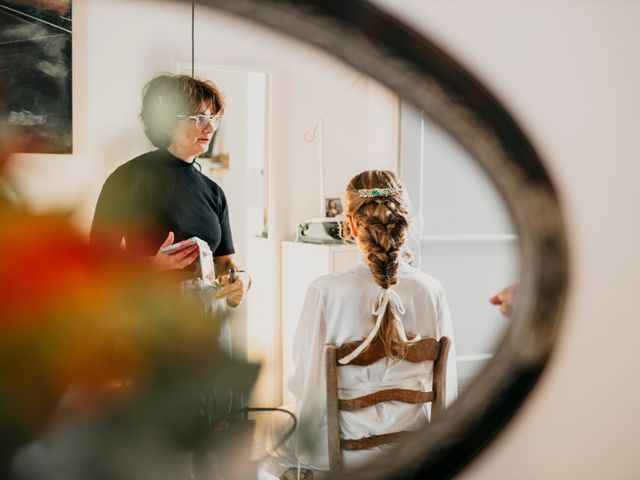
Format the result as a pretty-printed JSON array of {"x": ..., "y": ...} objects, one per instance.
[{"x": 371, "y": 40}]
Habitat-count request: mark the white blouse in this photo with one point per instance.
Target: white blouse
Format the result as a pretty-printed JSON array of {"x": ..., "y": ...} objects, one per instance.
[{"x": 338, "y": 309}]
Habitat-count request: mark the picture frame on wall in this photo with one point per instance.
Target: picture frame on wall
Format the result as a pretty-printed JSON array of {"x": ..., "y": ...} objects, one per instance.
[{"x": 36, "y": 73}]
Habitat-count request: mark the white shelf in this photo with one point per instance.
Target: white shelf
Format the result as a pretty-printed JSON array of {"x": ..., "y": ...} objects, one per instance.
[
  {"x": 466, "y": 239},
  {"x": 474, "y": 357}
]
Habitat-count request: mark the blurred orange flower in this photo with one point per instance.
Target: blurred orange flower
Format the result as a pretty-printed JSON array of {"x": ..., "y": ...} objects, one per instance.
[{"x": 71, "y": 315}]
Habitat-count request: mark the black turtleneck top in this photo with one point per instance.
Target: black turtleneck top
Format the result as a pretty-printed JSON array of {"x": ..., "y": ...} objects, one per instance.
[{"x": 153, "y": 194}]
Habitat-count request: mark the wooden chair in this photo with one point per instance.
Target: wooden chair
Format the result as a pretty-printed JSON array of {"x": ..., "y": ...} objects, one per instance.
[{"x": 423, "y": 350}]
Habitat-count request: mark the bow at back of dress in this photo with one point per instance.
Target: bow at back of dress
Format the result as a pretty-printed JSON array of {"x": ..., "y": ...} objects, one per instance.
[{"x": 386, "y": 298}]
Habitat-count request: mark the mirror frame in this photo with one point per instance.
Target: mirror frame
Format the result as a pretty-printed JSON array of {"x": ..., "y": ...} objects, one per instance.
[{"x": 376, "y": 43}]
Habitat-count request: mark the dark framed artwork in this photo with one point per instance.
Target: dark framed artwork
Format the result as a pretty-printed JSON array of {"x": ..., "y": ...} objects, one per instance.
[{"x": 35, "y": 68}]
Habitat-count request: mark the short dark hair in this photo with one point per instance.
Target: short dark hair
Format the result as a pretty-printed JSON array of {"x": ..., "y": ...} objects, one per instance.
[{"x": 167, "y": 96}]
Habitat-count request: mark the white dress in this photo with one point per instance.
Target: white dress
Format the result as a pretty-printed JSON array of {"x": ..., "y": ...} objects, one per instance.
[{"x": 338, "y": 309}]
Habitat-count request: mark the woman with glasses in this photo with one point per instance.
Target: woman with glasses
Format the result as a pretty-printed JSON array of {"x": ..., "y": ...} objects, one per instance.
[{"x": 160, "y": 198}]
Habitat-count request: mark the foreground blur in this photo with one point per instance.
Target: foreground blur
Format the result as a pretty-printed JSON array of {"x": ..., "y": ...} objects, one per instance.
[{"x": 107, "y": 370}]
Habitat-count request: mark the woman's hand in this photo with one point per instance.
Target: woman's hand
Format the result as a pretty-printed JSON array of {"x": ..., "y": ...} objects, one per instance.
[
  {"x": 232, "y": 292},
  {"x": 505, "y": 299},
  {"x": 173, "y": 261}
]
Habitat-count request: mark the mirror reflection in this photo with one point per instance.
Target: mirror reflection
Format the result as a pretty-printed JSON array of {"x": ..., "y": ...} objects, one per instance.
[{"x": 345, "y": 241}]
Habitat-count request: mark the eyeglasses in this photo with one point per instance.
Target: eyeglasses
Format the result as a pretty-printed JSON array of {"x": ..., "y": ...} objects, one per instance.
[{"x": 203, "y": 120}]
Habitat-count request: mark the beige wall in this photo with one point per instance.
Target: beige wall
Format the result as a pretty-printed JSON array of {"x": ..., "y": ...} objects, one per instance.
[{"x": 569, "y": 72}]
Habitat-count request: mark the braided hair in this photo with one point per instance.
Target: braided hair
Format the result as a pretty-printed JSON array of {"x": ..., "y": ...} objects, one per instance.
[{"x": 381, "y": 224}]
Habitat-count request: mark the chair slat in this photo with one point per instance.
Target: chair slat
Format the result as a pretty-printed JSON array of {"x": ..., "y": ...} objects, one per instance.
[
  {"x": 373, "y": 441},
  {"x": 421, "y": 351},
  {"x": 399, "y": 394},
  {"x": 333, "y": 421},
  {"x": 439, "y": 378}
]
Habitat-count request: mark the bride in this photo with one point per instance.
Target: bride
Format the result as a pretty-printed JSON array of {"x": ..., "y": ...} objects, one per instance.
[{"x": 383, "y": 299}]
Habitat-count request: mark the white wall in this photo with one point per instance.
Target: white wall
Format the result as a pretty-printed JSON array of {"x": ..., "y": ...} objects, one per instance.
[
  {"x": 569, "y": 72},
  {"x": 467, "y": 240}
]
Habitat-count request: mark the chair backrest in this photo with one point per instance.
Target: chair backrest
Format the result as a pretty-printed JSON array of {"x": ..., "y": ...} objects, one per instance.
[{"x": 420, "y": 351}]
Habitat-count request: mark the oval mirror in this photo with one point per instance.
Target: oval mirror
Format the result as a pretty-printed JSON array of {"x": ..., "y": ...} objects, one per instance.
[{"x": 317, "y": 92}]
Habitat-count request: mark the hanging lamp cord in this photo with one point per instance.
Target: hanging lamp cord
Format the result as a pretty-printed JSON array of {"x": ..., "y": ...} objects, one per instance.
[{"x": 193, "y": 43}]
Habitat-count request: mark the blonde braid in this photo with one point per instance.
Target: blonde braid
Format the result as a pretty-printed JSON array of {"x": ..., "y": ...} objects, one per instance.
[{"x": 381, "y": 226}]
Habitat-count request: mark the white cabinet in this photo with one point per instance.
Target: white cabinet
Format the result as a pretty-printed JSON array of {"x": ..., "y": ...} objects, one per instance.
[
  {"x": 302, "y": 263},
  {"x": 263, "y": 332}
]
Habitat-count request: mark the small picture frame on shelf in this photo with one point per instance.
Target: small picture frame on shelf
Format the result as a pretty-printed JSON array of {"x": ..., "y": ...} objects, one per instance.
[{"x": 333, "y": 207}]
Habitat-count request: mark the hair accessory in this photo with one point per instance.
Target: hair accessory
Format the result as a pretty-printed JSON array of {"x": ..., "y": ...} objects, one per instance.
[{"x": 378, "y": 192}]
